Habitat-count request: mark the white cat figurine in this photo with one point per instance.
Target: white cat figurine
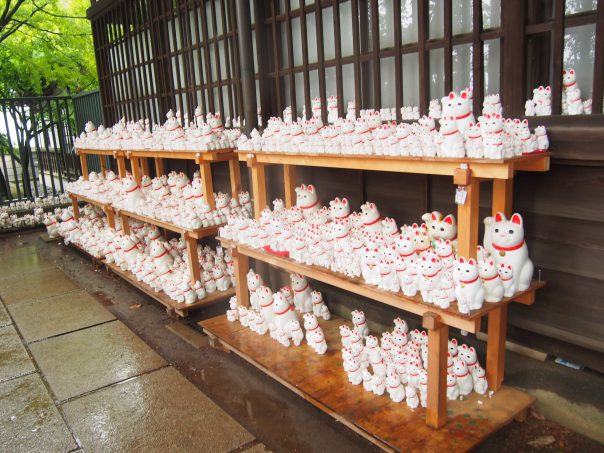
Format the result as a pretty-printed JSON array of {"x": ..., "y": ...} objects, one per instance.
[{"x": 468, "y": 287}]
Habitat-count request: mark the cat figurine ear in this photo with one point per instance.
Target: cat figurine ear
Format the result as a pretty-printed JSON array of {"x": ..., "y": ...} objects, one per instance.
[{"x": 517, "y": 219}]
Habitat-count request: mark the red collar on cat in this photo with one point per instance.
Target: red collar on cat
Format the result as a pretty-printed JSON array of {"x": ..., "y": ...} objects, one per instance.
[{"x": 508, "y": 249}]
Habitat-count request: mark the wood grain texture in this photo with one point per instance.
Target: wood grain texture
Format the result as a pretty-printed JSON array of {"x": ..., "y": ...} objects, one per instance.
[{"x": 322, "y": 381}]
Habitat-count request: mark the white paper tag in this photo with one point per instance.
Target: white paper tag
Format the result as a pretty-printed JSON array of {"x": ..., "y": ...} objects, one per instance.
[
  {"x": 219, "y": 251},
  {"x": 460, "y": 195}
]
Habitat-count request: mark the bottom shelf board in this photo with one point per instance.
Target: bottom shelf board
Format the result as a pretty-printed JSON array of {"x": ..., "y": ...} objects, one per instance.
[
  {"x": 321, "y": 380},
  {"x": 179, "y": 308}
]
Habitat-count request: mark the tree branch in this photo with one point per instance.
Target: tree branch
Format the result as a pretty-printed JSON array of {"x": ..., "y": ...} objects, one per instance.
[{"x": 60, "y": 16}]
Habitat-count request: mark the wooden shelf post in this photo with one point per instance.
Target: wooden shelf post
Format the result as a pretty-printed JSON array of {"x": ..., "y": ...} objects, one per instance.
[
  {"x": 103, "y": 162},
  {"x": 289, "y": 180},
  {"x": 84, "y": 165},
  {"x": 503, "y": 196},
  {"x": 125, "y": 224},
  {"x": 159, "y": 166},
  {"x": 235, "y": 175},
  {"x": 242, "y": 266},
  {"x": 194, "y": 267},
  {"x": 438, "y": 337},
  {"x": 497, "y": 319},
  {"x": 144, "y": 166},
  {"x": 136, "y": 169},
  {"x": 121, "y": 167},
  {"x": 76, "y": 208},
  {"x": 467, "y": 221},
  {"x": 207, "y": 185},
  {"x": 258, "y": 188},
  {"x": 497, "y": 326},
  {"x": 110, "y": 216}
]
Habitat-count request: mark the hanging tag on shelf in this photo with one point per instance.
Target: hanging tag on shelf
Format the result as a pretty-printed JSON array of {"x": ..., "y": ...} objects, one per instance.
[
  {"x": 460, "y": 195},
  {"x": 219, "y": 251}
]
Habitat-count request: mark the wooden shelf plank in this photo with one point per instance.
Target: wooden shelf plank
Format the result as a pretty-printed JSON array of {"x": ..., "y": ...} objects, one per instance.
[
  {"x": 321, "y": 380},
  {"x": 450, "y": 316},
  {"x": 481, "y": 168},
  {"x": 196, "y": 234},
  {"x": 100, "y": 152},
  {"x": 90, "y": 200},
  {"x": 181, "y": 309}
]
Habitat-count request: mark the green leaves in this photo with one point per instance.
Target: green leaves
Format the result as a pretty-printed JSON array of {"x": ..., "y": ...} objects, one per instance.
[{"x": 49, "y": 50}]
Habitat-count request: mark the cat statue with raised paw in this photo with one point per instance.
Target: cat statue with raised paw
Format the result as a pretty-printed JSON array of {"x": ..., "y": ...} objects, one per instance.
[
  {"x": 302, "y": 293},
  {"x": 378, "y": 384},
  {"x": 468, "y": 287},
  {"x": 294, "y": 331},
  {"x": 360, "y": 323},
  {"x": 452, "y": 388},
  {"x": 411, "y": 396},
  {"x": 479, "y": 378},
  {"x": 423, "y": 387},
  {"x": 465, "y": 382},
  {"x": 494, "y": 288},
  {"x": 319, "y": 307},
  {"x": 506, "y": 275},
  {"x": 254, "y": 281},
  {"x": 344, "y": 335},
  {"x": 504, "y": 239},
  {"x": 395, "y": 388},
  {"x": 307, "y": 199},
  {"x": 283, "y": 311}
]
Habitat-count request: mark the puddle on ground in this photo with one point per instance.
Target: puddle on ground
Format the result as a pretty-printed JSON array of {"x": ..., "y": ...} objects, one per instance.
[{"x": 103, "y": 298}]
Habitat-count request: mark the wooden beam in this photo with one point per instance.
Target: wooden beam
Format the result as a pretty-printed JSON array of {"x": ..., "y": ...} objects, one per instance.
[
  {"x": 207, "y": 185},
  {"x": 467, "y": 221},
  {"x": 194, "y": 268},
  {"x": 159, "y": 166},
  {"x": 241, "y": 265},
  {"x": 497, "y": 326},
  {"x": 289, "y": 181},
  {"x": 144, "y": 166},
  {"x": 258, "y": 188},
  {"x": 235, "y": 176},
  {"x": 125, "y": 224},
  {"x": 76, "y": 207},
  {"x": 84, "y": 165},
  {"x": 121, "y": 167},
  {"x": 103, "y": 162},
  {"x": 438, "y": 336},
  {"x": 136, "y": 169},
  {"x": 503, "y": 196},
  {"x": 110, "y": 216}
]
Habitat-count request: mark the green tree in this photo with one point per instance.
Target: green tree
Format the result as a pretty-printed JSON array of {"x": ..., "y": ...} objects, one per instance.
[{"x": 46, "y": 49}]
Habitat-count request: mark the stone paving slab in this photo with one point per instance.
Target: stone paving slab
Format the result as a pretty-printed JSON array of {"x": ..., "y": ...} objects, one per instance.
[
  {"x": 4, "y": 318},
  {"x": 58, "y": 315},
  {"x": 35, "y": 285},
  {"x": 21, "y": 261},
  {"x": 29, "y": 420},
  {"x": 14, "y": 360},
  {"x": 157, "y": 412},
  {"x": 82, "y": 361}
]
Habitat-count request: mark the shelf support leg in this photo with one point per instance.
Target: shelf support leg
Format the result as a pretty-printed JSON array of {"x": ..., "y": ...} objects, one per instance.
[
  {"x": 467, "y": 221},
  {"x": 503, "y": 196},
  {"x": 84, "y": 165},
  {"x": 497, "y": 326},
  {"x": 259, "y": 188},
  {"x": 125, "y": 224},
  {"x": 235, "y": 175},
  {"x": 136, "y": 169},
  {"x": 103, "y": 162},
  {"x": 76, "y": 208},
  {"x": 289, "y": 180},
  {"x": 121, "y": 167},
  {"x": 193, "y": 258},
  {"x": 110, "y": 217},
  {"x": 242, "y": 266},
  {"x": 207, "y": 185},
  {"x": 159, "y": 167},
  {"x": 438, "y": 336},
  {"x": 145, "y": 166}
]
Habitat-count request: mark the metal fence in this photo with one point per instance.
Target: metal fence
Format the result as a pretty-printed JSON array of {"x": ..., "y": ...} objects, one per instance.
[{"x": 36, "y": 151}]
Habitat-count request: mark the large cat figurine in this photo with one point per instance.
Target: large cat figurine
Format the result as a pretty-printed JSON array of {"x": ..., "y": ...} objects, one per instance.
[{"x": 504, "y": 239}]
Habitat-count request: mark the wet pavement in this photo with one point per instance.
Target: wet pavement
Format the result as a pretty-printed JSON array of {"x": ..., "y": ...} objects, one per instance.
[
  {"x": 74, "y": 378},
  {"x": 125, "y": 377}
]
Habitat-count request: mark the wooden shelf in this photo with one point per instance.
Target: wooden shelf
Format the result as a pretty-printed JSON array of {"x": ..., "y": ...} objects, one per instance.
[
  {"x": 99, "y": 152},
  {"x": 451, "y": 316},
  {"x": 321, "y": 380},
  {"x": 90, "y": 201},
  {"x": 480, "y": 168},
  {"x": 217, "y": 155},
  {"x": 196, "y": 234},
  {"x": 181, "y": 309}
]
